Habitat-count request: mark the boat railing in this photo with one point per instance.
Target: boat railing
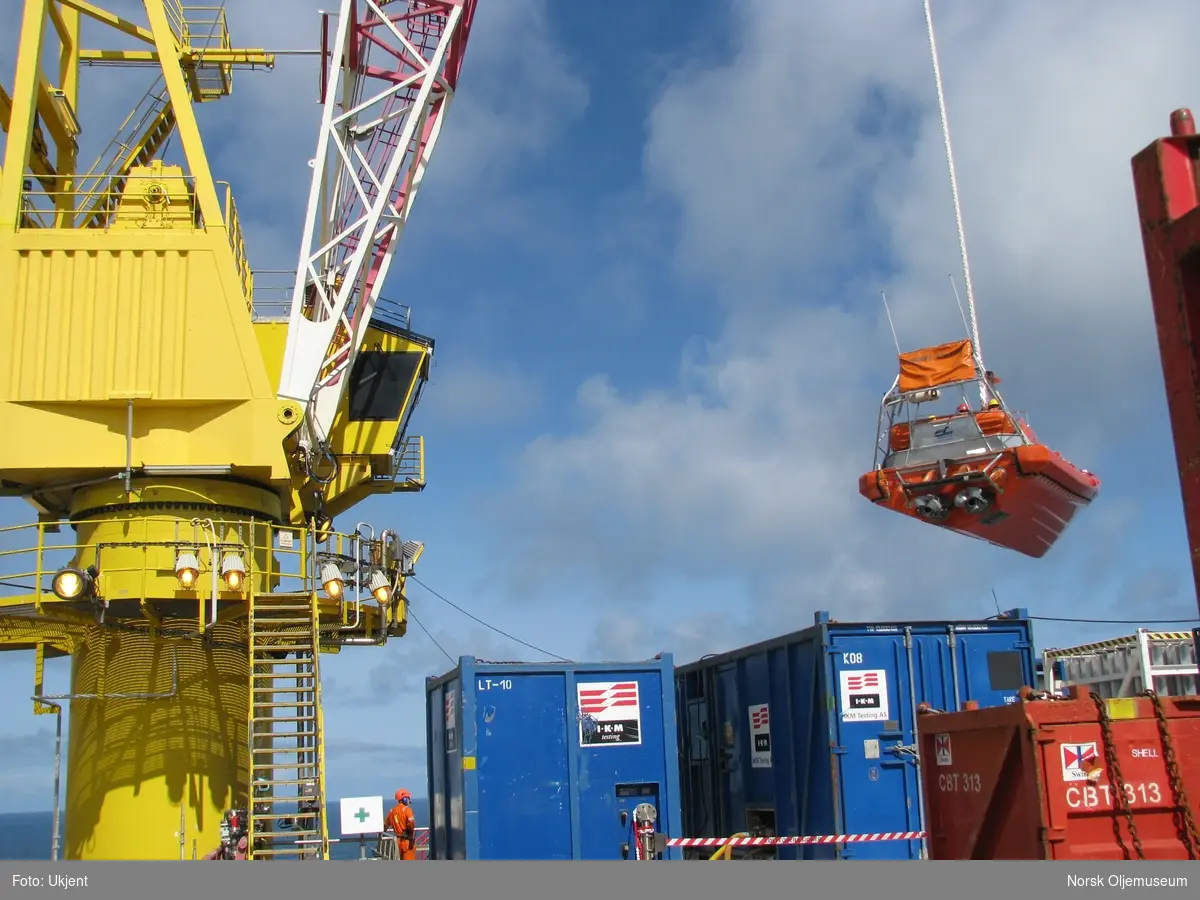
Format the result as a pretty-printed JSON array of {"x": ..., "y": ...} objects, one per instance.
[
  {"x": 1016, "y": 433},
  {"x": 899, "y": 408},
  {"x": 954, "y": 437},
  {"x": 966, "y": 388}
]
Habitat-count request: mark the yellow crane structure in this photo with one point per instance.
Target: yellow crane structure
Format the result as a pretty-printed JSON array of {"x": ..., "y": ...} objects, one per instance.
[{"x": 186, "y": 447}]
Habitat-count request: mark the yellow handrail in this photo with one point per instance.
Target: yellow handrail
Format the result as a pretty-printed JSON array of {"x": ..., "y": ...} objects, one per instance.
[{"x": 320, "y": 736}]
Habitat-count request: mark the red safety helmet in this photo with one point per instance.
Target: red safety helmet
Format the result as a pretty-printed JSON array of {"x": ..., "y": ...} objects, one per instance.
[{"x": 402, "y": 795}]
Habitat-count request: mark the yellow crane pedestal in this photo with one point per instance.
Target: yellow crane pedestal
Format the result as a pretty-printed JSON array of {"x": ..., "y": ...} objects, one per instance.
[
  {"x": 150, "y": 776},
  {"x": 160, "y": 703},
  {"x": 195, "y": 622}
]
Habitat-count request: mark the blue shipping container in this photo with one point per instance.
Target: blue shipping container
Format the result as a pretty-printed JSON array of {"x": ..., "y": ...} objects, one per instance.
[
  {"x": 538, "y": 761},
  {"x": 814, "y": 733}
]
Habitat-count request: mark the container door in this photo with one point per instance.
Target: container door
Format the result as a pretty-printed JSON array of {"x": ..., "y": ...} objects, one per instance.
[
  {"x": 620, "y": 760},
  {"x": 438, "y": 700},
  {"x": 522, "y": 767},
  {"x": 991, "y": 665},
  {"x": 697, "y": 754},
  {"x": 719, "y": 807},
  {"x": 875, "y": 753}
]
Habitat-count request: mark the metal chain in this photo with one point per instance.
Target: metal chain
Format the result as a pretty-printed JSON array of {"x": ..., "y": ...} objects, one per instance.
[
  {"x": 1120, "y": 801},
  {"x": 1189, "y": 835}
]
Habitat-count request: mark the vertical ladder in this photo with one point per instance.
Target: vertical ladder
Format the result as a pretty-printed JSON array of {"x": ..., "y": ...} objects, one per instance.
[{"x": 287, "y": 750}]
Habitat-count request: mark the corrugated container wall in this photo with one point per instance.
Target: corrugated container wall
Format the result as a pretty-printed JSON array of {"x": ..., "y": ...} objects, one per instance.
[
  {"x": 1046, "y": 779},
  {"x": 815, "y": 733},
  {"x": 531, "y": 761},
  {"x": 1164, "y": 662}
]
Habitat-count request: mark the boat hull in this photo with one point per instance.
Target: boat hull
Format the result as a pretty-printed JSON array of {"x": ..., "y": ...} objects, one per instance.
[{"x": 1023, "y": 498}]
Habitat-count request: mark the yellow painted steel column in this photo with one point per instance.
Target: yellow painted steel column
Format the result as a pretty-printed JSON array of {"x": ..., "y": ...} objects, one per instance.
[
  {"x": 140, "y": 770},
  {"x": 150, "y": 776},
  {"x": 21, "y": 117}
]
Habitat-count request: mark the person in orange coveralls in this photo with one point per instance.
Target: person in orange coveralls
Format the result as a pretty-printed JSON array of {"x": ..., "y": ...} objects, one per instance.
[{"x": 403, "y": 823}]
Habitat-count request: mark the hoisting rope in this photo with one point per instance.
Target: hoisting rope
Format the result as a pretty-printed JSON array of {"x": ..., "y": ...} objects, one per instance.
[{"x": 958, "y": 220}]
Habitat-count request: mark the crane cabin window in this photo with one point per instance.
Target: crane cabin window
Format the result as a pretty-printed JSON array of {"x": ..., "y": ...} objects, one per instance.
[{"x": 380, "y": 383}]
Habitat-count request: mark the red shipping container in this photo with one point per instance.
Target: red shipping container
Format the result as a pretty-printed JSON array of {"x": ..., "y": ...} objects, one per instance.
[{"x": 1077, "y": 778}]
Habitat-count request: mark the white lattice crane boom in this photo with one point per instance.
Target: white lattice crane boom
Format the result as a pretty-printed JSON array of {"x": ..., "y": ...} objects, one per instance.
[{"x": 391, "y": 78}]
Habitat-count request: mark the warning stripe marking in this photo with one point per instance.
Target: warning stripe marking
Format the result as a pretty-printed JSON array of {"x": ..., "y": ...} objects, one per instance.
[{"x": 791, "y": 841}]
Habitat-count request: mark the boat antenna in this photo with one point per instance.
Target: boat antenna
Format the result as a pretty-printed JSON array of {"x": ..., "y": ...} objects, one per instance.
[
  {"x": 958, "y": 221},
  {"x": 985, "y": 390},
  {"x": 891, "y": 324},
  {"x": 958, "y": 302}
]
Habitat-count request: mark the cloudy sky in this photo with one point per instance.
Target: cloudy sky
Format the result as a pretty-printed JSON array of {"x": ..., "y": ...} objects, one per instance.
[{"x": 651, "y": 247}]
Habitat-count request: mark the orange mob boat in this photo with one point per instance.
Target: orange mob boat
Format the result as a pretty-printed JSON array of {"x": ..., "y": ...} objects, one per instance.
[{"x": 979, "y": 472}]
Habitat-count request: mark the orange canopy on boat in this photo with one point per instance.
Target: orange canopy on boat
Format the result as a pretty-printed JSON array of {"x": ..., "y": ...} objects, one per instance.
[{"x": 932, "y": 367}]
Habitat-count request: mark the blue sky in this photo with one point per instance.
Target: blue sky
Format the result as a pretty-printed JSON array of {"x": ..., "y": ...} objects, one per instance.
[{"x": 650, "y": 248}]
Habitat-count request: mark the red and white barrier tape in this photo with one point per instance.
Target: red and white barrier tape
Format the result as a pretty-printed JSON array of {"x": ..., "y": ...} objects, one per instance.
[{"x": 791, "y": 841}]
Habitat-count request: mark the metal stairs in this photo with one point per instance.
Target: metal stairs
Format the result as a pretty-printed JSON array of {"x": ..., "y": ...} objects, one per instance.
[
  {"x": 142, "y": 136},
  {"x": 286, "y": 814}
]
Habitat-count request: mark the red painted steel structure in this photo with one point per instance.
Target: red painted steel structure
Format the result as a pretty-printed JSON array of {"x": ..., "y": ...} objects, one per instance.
[
  {"x": 1076, "y": 778},
  {"x": 1166, "y": 180}
]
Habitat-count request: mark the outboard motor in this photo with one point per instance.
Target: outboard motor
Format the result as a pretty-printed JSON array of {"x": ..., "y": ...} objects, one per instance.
[
  {"x": 930, "y": 506},
  {"x": 972, "y": 500}
]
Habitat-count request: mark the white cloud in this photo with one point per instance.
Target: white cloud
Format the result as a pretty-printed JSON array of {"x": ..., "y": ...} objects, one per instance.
[
  {"x": 798, "y": 212},
  {"x": 1048, "y": 107},
  {"x": 468, "y": 392},
  {"x": 520, "y": 93},
  {"x": 1047, "y": 104},
  {"x": 761, "y": 152},
  {"x": 622, "y": 637}
]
